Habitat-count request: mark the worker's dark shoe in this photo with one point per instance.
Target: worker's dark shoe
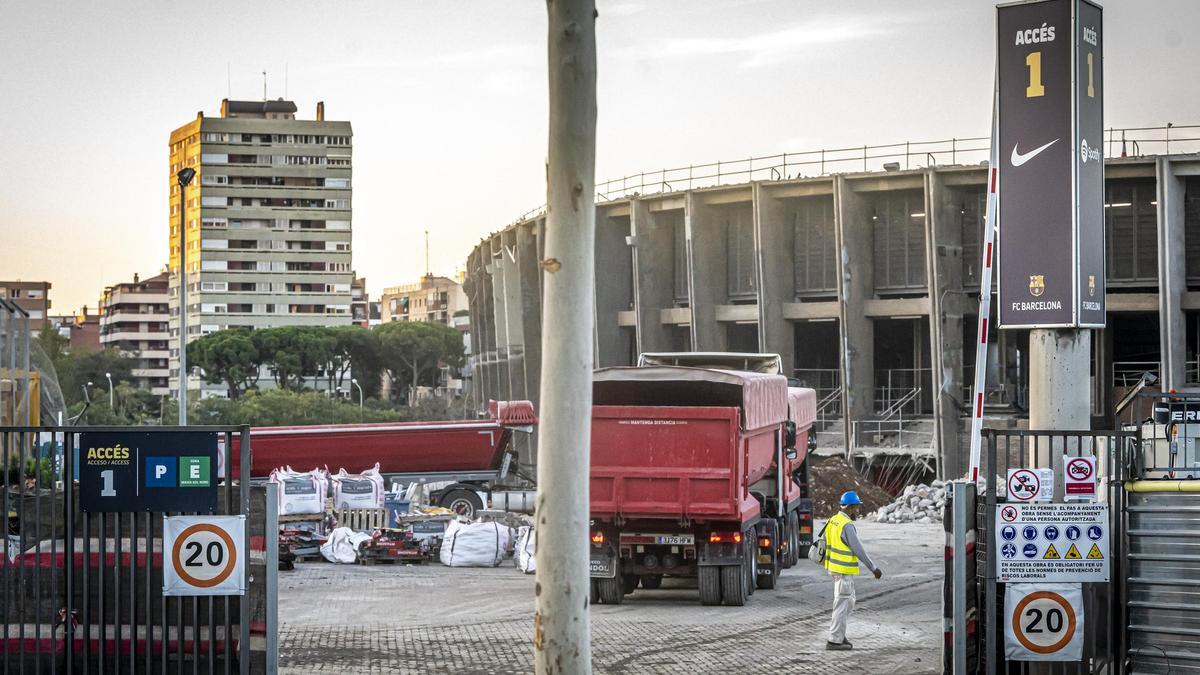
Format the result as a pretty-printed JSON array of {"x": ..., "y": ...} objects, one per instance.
[{"x": 838, "y": 646}]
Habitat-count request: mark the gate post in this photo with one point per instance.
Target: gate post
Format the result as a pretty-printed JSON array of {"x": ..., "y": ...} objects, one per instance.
[{"x": 961, "y": 502}]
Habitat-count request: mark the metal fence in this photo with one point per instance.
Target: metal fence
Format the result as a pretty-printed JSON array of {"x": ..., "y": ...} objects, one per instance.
[
  {"x": 1104, "y": 638},
  {"x": 16, "y": 397},
  {"x": 82, "y": 592},
  {"x": 1126, "y": 142}
]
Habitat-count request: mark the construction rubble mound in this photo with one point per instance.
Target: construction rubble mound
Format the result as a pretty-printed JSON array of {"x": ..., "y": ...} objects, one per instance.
[
  {"x": 917, "y": 504},
  {"x": 831, "y": 476}
]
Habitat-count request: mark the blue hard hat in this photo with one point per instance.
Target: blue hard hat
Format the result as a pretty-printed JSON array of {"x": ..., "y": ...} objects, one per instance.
[{"x": 850, "y": 497}]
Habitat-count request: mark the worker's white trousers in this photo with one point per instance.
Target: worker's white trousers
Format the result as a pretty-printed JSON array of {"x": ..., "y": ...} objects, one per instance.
[{"x": 843, "y": 604}]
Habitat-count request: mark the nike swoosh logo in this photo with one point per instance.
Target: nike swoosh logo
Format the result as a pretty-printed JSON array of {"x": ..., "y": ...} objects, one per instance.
[{"x": 1018, "y": 159}]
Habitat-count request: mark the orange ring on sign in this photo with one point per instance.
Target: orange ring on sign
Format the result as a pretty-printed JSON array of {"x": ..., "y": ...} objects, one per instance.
[
  {"x": 1025, "y": 642},
  {"x": 224, "y": 574}
]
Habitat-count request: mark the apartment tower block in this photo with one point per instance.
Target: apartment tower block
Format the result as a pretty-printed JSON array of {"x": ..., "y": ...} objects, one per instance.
[{"x": 268, "y": 222}]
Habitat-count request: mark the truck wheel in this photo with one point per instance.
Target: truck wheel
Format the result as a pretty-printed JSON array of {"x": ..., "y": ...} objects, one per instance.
[
  {"x": 629, "y": 583},
  {"x": 710, "y": 585},
  {"x": 652, "y": 581},
  {"x": 733, "y": 584},
  {"x": 463, "y": 502},
  {"x": 611, "y": 591}
]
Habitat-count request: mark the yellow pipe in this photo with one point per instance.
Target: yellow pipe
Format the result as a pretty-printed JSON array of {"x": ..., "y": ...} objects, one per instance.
[{"x": 1162, "y": 486}]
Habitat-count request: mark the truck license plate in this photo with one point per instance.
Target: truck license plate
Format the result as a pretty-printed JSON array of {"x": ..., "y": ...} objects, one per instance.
[
  {"x": 603, "y": 566},
  {"x": 676, "y": 539}
]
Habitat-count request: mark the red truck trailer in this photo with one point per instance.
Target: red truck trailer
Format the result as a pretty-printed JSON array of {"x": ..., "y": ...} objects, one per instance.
[
  {"x": 472, "y": 454},
  {"x": 697, "y": 472}
]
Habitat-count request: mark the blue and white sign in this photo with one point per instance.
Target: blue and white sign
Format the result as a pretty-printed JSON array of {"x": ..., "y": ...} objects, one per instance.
[
  {"x": 1046, "y": 558},
  {"x": 1008, "y": 532},
  {"x": 1009, "y": 550}
]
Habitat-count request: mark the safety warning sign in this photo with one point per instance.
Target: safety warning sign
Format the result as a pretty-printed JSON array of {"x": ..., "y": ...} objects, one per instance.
[
  {"x": 1030, "y": 485},
  {"x": 1079, "y": 479},
  {"x": 1042, "y": 542}
]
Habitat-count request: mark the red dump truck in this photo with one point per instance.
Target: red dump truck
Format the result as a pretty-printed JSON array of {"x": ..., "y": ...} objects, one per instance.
[
  {"x": 472, "y": 455},
  {"x": 697, "y": 472}
]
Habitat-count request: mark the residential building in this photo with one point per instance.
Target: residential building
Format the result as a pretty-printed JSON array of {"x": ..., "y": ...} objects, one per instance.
[
  {"x": 81, "y": 329},
  {"x": 433, "y": 299},
  {"x": 134, "y": 319},
  {"x": 268, "y": 222},
  {"x": 360, "y": 302},
  {"x": 31, "y": 296}
]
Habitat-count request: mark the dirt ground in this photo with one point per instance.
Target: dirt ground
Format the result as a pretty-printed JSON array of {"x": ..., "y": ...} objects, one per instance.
[
  {"x": 434, "y": 619},
  {"x": 831, "y": 476}
]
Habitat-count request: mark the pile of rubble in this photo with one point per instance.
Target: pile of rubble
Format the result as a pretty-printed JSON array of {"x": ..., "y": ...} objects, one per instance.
[
  {"x": 829, "y": 477},
  {"x": 917, "y": 504}
]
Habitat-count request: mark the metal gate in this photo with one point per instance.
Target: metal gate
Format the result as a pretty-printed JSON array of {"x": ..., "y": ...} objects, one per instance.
[
  {"x": 1162, "y": 544},
  {"x": 1103, "y": 646},
  {"x": 82, "y": 592}
]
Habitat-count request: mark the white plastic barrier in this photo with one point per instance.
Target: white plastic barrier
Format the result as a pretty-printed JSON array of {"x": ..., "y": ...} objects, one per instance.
[
  {"x": 359, "y": 490},
  {"x": 475, "y": 544},
  {"x": 526, "y": 547},
  {"x": 303, "y": 492}
]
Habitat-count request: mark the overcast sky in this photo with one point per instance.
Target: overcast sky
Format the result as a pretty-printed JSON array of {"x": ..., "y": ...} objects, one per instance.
[{"x": 448, "y": 103}]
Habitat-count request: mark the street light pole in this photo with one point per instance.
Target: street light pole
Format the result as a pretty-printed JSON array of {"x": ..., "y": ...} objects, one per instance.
[
  {"x": 108, "y": 376},
  {"x": 354, "y": 382},
  {"x": 185, "y": 177},
  {"x": 561, "y": 622}
]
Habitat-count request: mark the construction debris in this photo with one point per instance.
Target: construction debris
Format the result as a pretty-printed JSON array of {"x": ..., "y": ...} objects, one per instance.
[
  {"x": 917, "y": 504},
  {"x": 829, "y": 477}
]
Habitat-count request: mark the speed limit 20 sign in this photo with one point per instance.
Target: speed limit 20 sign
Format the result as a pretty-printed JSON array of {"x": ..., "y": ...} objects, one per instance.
[
  {"x": 1043, "y": 622},
  {"x": 204, "y": 555}
]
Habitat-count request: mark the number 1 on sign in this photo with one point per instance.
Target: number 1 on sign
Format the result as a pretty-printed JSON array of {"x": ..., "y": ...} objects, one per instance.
[
  {"x": 1035, "y": 88},
  {"x": 107, "y": 490}
]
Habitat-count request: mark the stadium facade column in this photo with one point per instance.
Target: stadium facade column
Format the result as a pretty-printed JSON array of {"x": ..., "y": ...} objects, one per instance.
[
  {"x": 856, "y": 285},
  {"x": 614, "y": 284},
  {"x": 1172, "y": 275},
  {"x": 529, "y": 300},
  {"x": 774, "y": 249},
  {"x": 706, "y": 272},
  {"x": 653, "y": 248},
  {"x": 503, "y": 384},
  {"x": 944, "y": 264}
]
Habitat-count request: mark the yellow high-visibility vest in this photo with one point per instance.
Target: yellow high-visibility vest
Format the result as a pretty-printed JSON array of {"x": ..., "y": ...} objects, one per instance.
[{"x": 839, "y": 558}]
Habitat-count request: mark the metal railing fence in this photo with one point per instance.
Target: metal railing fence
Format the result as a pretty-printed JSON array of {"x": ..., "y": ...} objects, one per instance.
[{"x": 1119, "y": 142}]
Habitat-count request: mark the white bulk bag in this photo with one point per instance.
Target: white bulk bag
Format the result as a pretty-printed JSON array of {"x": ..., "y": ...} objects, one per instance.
[
  {"x": 475, "y": 544},
  {"x": 526, "y": 547},
  {"x": 302, "y": 492},
  {"x": 359, "y": 490},
  {"x": 342, "y": 545}
]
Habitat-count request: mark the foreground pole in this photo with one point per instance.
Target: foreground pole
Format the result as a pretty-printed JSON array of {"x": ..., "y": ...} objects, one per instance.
[{"x": 562, "y": 626}]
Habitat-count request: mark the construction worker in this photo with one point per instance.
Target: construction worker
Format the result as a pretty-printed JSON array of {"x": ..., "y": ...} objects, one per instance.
[{"x": 843, "y": 554}]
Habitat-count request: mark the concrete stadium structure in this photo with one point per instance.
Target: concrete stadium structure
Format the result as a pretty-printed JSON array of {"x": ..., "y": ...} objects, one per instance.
[{"x": 866, "y": 278}]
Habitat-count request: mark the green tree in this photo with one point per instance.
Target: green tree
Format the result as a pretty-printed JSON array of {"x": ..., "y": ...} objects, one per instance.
[
  {"x": 412, "y": 351},
  {"x": 228, "y": 356},
  {"x": 355, "y": 353},
  {"x": 276, "y": 347},
  {"x": 76, "y": 370}
]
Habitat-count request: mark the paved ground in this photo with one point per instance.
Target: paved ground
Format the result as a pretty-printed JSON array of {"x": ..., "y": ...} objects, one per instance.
[{"x": 433, "y": 619}]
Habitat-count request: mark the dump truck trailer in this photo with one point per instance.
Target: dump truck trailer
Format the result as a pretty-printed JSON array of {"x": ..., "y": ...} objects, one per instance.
[{"x": 697, "y": 472}]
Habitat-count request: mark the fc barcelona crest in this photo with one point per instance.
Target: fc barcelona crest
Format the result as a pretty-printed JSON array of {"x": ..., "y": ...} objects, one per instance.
[{"x": 1037, "y": 285}]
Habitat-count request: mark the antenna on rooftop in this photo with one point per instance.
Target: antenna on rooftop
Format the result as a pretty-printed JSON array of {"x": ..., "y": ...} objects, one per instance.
[
  {"x": 427, "y": 272},
  {"x": 264, "y": 85}
]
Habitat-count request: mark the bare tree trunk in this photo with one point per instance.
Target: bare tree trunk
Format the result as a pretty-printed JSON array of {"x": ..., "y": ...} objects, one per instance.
[{"x": 562, "y": 625}]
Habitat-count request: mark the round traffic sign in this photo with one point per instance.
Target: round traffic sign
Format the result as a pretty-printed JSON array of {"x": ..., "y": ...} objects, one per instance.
[
  {"x": 1008, "y": 550},
  {"x": 1030, "y": 550},
  {"x": 1009, "y": 532},
  {"x": 1050, "y": 532},
  {"x": 1072, "y": 532},
  {"x": 1008, "y": 513},
  {"x": 204, "y": 555},
  {"x": 1079, "y": 469},
  {"x": 1024, "y": 485},
  {"x": 1095, "y": 533},
  {"x": 1043, "y": 622},
  {"x": 1029, "y": 532}
]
